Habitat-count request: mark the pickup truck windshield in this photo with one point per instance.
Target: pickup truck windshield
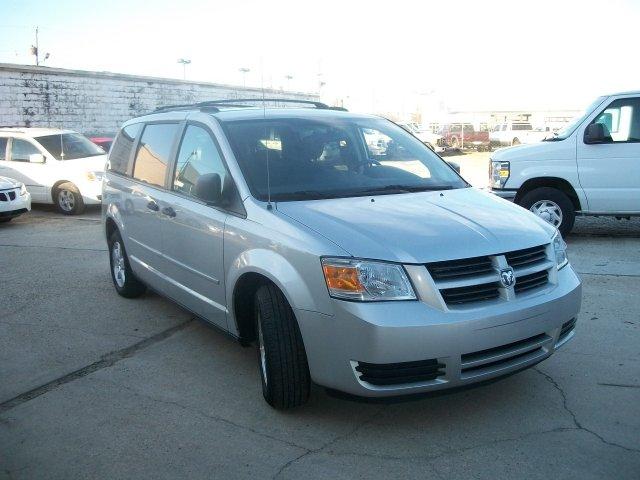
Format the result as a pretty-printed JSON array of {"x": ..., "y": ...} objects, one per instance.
[
  {"x": 573, "y": 124},
  {"x": 69, "y": 146},
  {"x": 311, "y": 159}
]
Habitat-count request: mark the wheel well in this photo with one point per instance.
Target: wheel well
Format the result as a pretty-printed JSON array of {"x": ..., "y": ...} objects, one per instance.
[
  {"x": 110, "y": 227},
  {"x": 553, "y": 182},
  {"x": 243, "y": 295},
  {"x": 55, "y": 187}
]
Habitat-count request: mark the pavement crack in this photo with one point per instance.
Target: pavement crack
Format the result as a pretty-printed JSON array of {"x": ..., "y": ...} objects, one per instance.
[
  {"x": 331, "y": 442},
  {"x": 105, "y": 361},
  {"x": 76, "y": 249},
  {"x": 609, "y": 274},
  {"x": 576, "y": 422},
  {"x": 621, "y": 385}
]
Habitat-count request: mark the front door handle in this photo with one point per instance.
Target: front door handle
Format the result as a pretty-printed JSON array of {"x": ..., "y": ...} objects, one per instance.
[
  {"x": 169, "y": 212},
  {"x": 152, "y": 205}
]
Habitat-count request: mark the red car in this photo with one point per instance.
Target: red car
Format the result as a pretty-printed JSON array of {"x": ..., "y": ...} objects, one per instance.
[
  {"x": 104, "y": 142},
  {"x": 464, "y": 135}
]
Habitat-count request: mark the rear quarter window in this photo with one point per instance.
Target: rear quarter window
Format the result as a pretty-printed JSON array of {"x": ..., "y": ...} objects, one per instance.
[{"x": 122, "y": 148}]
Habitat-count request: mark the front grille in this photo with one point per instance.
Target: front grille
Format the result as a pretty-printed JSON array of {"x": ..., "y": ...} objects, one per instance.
[
  {"x": 472, "y": 293},
  {"x": 7, "y": 196},
  {"x": 504, "y": 356},
  {"x": 526, "y": 257},
  {"x": 567, "y": 328},
  {"x": 531, "y": 281},
  {"x": 460, "y": 268},
  {"x": 400, "y": 373}
]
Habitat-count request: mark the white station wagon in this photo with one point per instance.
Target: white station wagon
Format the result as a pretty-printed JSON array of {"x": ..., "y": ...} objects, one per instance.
[{"x": 57, "y": 166}]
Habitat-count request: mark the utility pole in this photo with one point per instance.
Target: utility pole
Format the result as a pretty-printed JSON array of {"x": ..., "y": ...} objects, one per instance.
[
  {"x": 34, "y": 49},
  {"x": 184, "y": 62}
]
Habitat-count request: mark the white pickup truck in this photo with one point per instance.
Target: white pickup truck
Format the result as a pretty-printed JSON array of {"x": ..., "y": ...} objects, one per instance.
[
  {"x": 515, "y": 133},
  {"x": 591, "y": 167}
]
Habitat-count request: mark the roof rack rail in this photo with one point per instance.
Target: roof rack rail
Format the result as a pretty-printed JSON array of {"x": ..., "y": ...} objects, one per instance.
[{"x": 211, "y": 105}]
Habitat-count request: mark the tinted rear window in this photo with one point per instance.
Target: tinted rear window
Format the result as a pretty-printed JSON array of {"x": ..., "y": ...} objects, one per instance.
[
  {"x": 153, "y": 153},
  {"x": 121, "y": 151}
]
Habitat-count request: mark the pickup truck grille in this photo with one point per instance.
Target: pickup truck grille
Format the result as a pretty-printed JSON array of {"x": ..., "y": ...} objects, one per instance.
[{"x": 475, "y": 280}]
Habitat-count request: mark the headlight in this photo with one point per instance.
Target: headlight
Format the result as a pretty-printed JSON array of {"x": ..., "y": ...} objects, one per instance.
[
  {"x": 95, "y": 176},
  {"x": 23, "y": 189},
  {"x": 499, "y": 173},
  {"x": 561, "y": 250},
  {"x": 366, "y": 281}
]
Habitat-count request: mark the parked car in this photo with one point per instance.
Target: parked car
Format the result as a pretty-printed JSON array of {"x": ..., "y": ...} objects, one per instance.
[
  {"x": 591, "y": 167},
  {"x": 458, "y": 135},
  {"x": 430, "y": 139},
  {"x": 372, "y": 272},
  {"x": 103, "y": 142},
  {"x": 515, "y": 133},
  {"x": 14, "y": 199},
  {"x": 57, "y": 166}
]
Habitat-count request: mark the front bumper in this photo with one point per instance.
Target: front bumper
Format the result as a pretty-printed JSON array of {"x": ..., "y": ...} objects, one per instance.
[
  {"x": 506, "y": 194},
  {"x": 15, "y": 205},
  {"x": 472, "y": 345}
]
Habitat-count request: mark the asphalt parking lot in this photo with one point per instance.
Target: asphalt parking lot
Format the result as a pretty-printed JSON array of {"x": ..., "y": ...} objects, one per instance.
[{"x": 96, "y": 386}]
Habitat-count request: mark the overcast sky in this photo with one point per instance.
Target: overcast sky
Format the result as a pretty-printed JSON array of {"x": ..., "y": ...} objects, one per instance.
[{"x": 374, "y": 54}]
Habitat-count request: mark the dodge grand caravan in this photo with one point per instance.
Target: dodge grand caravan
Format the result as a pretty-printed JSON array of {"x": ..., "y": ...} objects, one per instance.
[{"x": 375, "y": 272}]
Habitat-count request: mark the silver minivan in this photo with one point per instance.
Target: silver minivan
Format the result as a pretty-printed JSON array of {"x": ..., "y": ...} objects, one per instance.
[{"x": 351, "y": 254}]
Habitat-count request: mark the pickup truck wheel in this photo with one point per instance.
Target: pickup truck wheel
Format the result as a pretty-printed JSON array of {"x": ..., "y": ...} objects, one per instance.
[
  {"x": 551, "y": 205},
  {"x": 281, "y": 355},
  {"x": 124, "y": 281},
  {"x": 68, "y": 199}
]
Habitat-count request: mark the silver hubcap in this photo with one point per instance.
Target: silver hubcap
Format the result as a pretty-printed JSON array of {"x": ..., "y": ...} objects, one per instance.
[
  {"x": 549, "y": 211},
  {"x": 117, "y": 260},
  {"x": 263, "y": 356},
  {"x": 66, "y": 200}
]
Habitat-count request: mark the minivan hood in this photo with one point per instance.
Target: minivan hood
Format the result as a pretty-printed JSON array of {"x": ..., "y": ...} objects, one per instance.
[
  {"x": 92, "y": 164},
  {"x": 422, "y": 227}
]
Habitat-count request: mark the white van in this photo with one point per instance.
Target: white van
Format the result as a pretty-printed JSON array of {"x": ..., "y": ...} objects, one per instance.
[
  {"x": 591, "y": 167},
  {"x": 57, "y": 166}
]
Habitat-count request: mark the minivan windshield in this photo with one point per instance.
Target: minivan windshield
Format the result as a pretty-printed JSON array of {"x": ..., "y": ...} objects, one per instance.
[
  {"x": 573, "y": 124},
  {"x": 310, "y": 159},
  {"x": 69, "y": 146}
]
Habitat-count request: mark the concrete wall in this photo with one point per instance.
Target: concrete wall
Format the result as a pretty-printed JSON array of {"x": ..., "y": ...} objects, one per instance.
[{"x": 98, "y": 102}]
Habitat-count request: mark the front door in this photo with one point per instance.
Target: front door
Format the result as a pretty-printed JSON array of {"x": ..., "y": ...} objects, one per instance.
[
  {"x": 609, "y": 172},
  {"x": 193, "y": 230},
  {"x": 26, "y": 165}
]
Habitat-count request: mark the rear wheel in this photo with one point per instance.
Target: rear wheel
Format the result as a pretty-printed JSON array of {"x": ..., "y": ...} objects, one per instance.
[
  {"x": 552, "y": 205},
  {"x": 68, "y": 199},
  {"x": 124, "y": 281},
  {"x": 281, "y": 355}
]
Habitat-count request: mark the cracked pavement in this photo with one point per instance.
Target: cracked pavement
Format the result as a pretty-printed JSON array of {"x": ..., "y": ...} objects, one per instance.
[{"x": 96, "y": 386}]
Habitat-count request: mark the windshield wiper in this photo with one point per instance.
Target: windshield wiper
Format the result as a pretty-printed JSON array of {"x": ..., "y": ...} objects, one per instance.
[{"x": 391, "y": 189}]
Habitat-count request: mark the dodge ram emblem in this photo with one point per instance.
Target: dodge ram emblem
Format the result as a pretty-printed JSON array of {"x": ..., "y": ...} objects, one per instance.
[{"x": 507, "y": 278}]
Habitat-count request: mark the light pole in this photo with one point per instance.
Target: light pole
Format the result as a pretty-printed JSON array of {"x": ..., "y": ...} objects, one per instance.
[
  {"x": 184, "y": 62},
  {"x": 289, "y": 78},
  {"x": 244, "y": 71}
]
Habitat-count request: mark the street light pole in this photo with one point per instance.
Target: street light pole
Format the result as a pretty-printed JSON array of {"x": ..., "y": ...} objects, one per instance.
[
  {"x": 244, "y": 71},
  {"x": 184, "y": 62}
]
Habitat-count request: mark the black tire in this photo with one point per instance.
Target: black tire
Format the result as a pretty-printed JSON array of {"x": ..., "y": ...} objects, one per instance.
[
  {"x": 6, "y": 219},
  {"x": 454, "y": 143},
  {"x": 285, "y": 376},
  {"x": 515, "y": 141},
  {"x": 67, "y": 199},
  {"x": 556, "y": 196},
  {"x": 131, "y": 287}
]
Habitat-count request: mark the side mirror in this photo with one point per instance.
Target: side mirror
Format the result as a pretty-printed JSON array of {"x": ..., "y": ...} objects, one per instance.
[
  {"x": 595, "y": 133},
  {"x": 209, "y": 188},
  {"x": 37, "y": 158}
]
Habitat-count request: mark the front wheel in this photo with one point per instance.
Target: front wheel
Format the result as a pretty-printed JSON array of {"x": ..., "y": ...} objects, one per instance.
[
  {"x": 68, "y": 199},
  {"x": 552, "y": 205},
  {"x": 281, "y": 355}
]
